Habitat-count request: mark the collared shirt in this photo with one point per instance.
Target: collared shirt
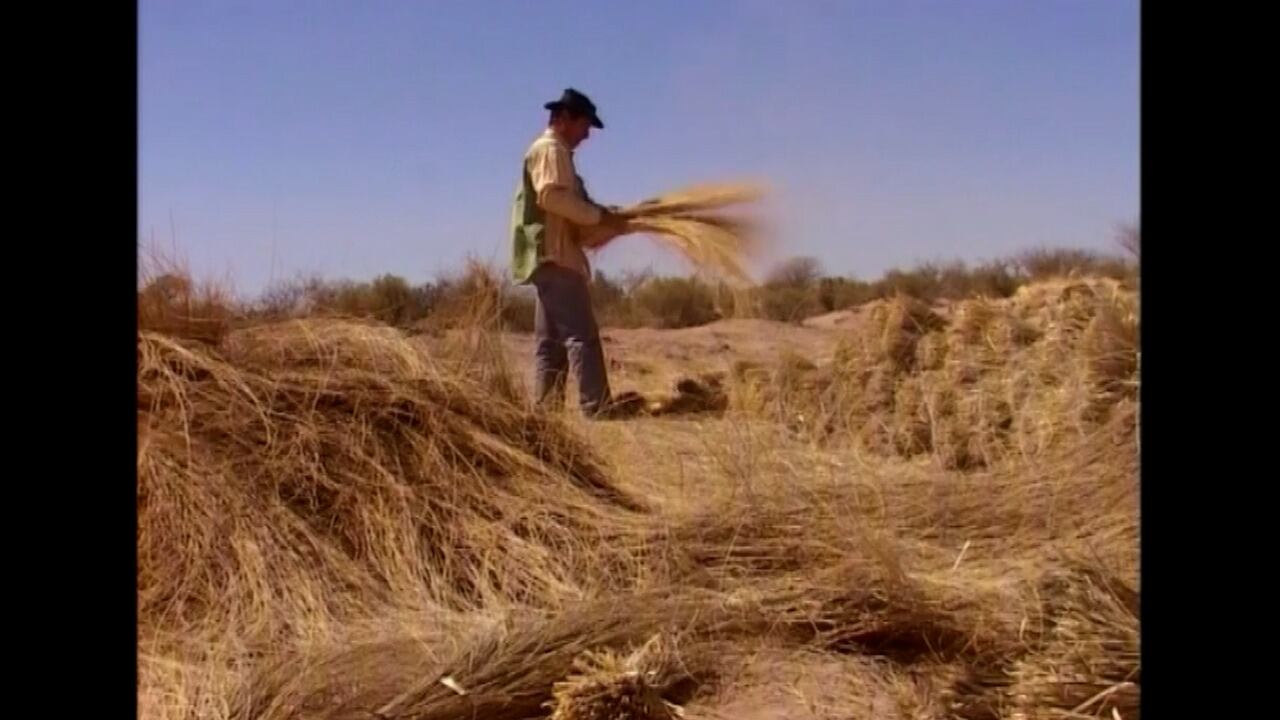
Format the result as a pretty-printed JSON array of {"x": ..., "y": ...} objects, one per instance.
[{"x": 552, "y": 211}]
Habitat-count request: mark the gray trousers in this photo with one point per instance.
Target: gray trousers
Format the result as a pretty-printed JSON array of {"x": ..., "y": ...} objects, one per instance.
[{"x": 566, "y": 333}]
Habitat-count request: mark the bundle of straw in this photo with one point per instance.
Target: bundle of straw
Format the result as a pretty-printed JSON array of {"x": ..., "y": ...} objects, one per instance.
[{"x": 713, "y": 242}]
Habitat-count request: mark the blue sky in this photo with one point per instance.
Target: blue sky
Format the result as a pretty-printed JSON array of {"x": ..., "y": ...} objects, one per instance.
[{"x": 349, "y": 139}]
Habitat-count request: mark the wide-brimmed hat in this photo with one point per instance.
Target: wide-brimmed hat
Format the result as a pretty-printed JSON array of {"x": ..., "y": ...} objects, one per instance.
[{"x": 578, "y": 103}]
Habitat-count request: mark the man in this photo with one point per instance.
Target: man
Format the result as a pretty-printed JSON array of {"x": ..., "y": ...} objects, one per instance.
[{"x": 553, "y": 221}]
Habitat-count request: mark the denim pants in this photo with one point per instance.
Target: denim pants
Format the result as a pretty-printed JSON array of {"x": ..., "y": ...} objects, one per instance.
[{"x": 565, "y": 330}]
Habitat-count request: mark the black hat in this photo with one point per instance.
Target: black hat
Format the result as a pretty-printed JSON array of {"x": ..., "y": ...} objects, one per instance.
[{"x": 578, "y": 103}]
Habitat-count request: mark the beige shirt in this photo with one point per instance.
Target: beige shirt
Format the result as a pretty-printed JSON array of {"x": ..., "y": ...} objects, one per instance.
[{"x": 572, "y": 220}]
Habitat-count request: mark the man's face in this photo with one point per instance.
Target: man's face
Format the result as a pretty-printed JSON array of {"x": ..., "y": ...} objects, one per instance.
[{"x": 575, "y": 129}]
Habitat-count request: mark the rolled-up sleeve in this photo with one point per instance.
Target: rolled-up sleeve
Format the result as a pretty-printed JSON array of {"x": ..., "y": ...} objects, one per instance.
[{"x": 555, "y": 182}]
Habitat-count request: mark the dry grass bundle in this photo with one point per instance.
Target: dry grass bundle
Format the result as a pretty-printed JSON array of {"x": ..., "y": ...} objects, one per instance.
[
  {"x": 931, "y": 352},
  {"x": 855, "y": 394},
  {"x": 361, "y": 670},
  {"x": 323, "y": 468},
  {"x": 912, "y": 414},
  {"x": 696, "y": 198},
  {"x": 1088, "y": 662},
  {"x": 794, "y": 391},
  {"x": 1110, "y": 345},
  {"x": 712, "y": 242},
  {"x": 708, "y": 246},
  {"x": 327, "y": 345},
  {"x": 170, "y": 303},
  {"x": 997, "y": 380},
  {"x": 901, "y": 323},
  {"x": 509, "y": 670},
  {"x": 779, "y": 682},
  {"x": 609, "y": 686}
]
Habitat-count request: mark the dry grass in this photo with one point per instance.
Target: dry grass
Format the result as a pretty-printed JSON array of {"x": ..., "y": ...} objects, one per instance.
[
  {"x": 330, "y": 456},
  {"x": 696, "y": 199},
  {"x": 996, "y": 381},
  {"x": 610, "y": 686},
  {"x": 712, "y": 242},
  {"x": 333, "y": 524},
  {"x": 170, "y": 302}
]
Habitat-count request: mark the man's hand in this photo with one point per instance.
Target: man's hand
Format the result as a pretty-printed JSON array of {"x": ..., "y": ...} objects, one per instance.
[
  {"x": 611, "y": 225},
  {"x": 610, "y": 219}
]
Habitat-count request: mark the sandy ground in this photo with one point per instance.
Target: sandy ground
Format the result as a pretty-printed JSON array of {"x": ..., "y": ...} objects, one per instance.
[{"x": 651, "y": 361}]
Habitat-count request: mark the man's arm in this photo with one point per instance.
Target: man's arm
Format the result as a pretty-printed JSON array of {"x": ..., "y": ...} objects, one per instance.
[
  {"x": 597, "y": 236},
  {"x": 551, "y": 171}
]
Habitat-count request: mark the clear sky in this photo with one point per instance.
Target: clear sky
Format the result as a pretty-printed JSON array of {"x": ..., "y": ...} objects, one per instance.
[{"x": 349, "y": 139}]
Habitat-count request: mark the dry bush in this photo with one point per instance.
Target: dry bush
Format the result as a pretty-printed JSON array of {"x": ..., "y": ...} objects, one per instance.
[
  {"x": 481, "y": 293},
  {"x": 788, "y": 303},
  {"x": 442, "y": 304},
  {"x": 674, "y": 303},
  {"x": 388, "y": 299},
  {"x": 796, "y": 272},
  {"x": 1049, "y": 264},
  {"x": 1129, "y": 238}
]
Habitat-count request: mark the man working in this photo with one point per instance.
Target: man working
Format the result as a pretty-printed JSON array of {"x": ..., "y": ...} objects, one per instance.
[{"x": 553, "y": 221}]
